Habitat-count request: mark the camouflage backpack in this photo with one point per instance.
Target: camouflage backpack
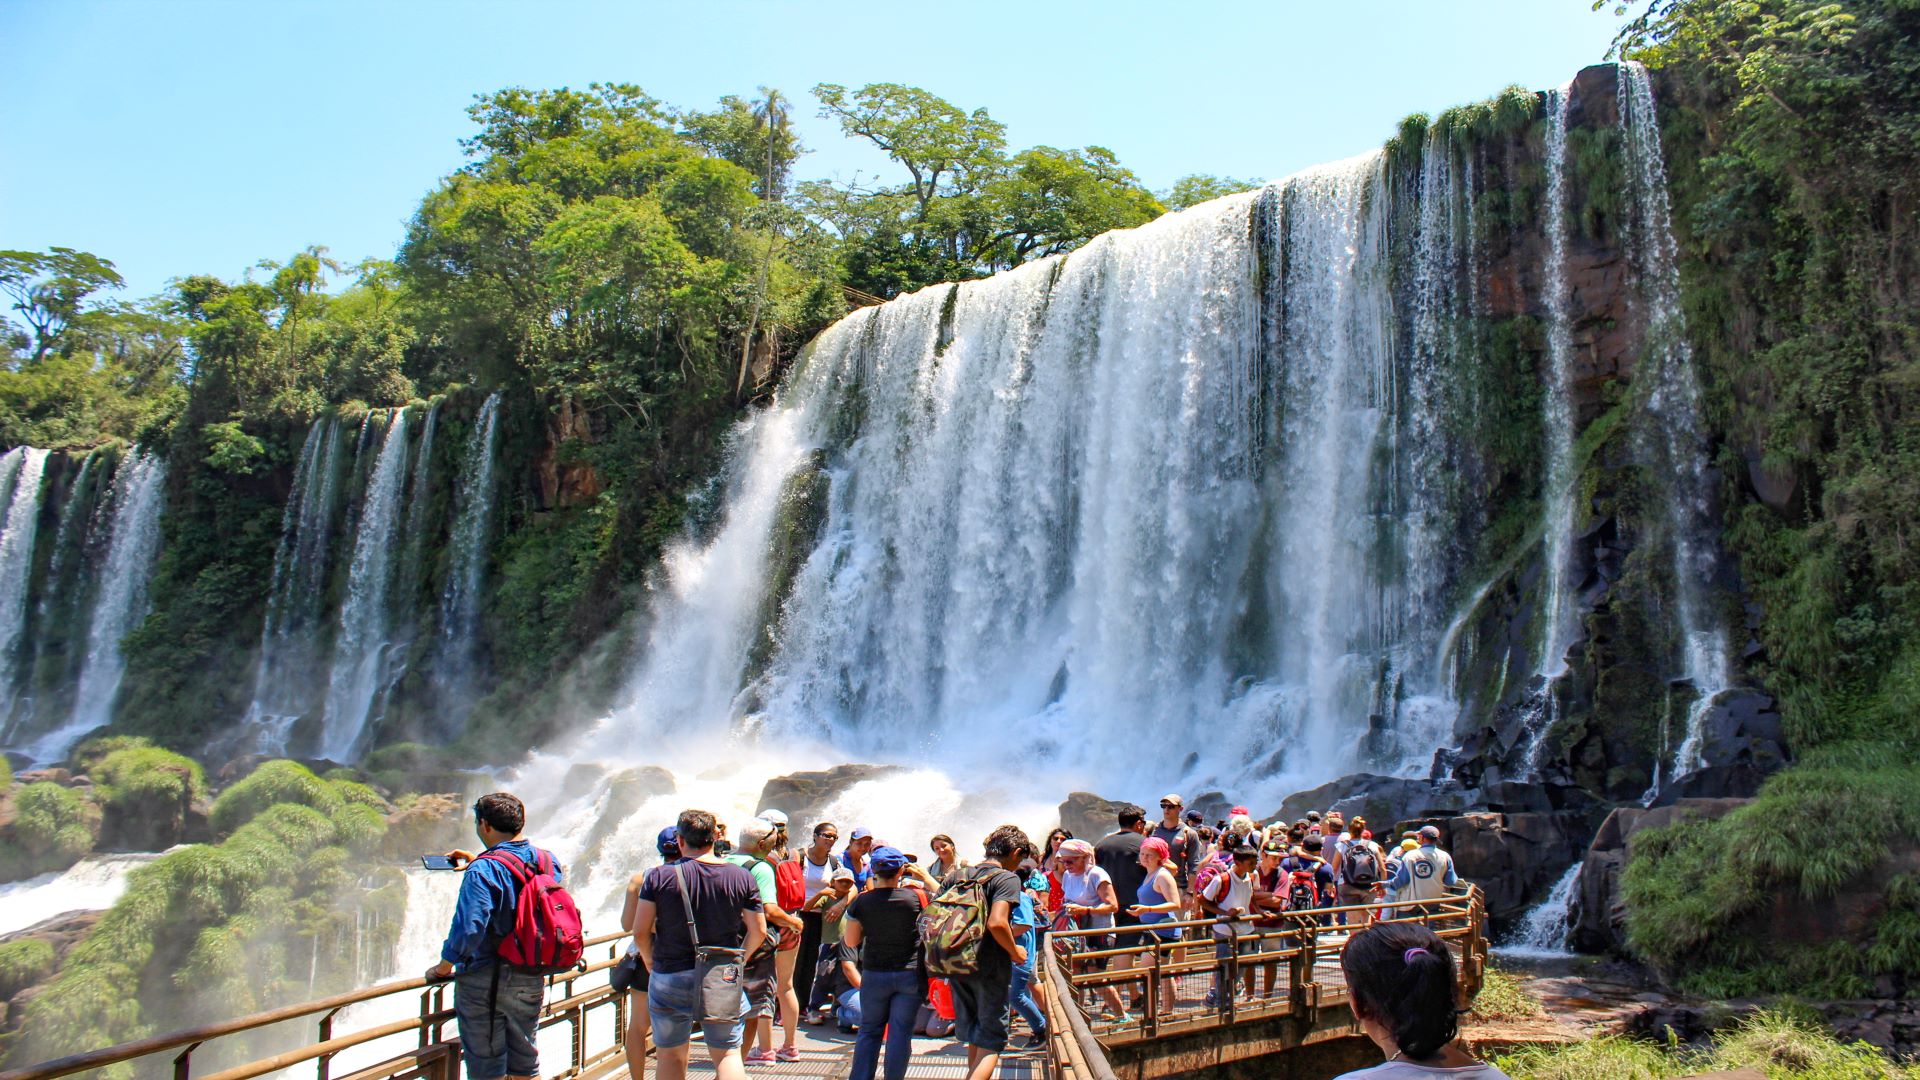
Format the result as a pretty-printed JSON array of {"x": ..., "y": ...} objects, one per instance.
[{"x": 955, "y": 924}]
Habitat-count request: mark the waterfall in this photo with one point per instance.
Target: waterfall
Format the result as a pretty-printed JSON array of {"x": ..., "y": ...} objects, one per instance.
[
  {"x": 1674, "y": 440},
  {"x": 120, "y": 601},
  {"x": 92, "y": 884},
  {"x": 1151, "y": 490},
  {"x": 1559, "y": 418},
  {"x": 360, "y": 645},
  {"x": 460, "y": 599},
  {"x": 419, "y": 504},
  {"x": 21, "y": 470},
  {"x": 1543, "y": 933},
  {"x": 289, "y": 646}
]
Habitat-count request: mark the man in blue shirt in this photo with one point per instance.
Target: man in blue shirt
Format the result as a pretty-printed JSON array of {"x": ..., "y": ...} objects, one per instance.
[
  {"x": 497, "y": 1006},
  {"x": 1424, "y": 874}
]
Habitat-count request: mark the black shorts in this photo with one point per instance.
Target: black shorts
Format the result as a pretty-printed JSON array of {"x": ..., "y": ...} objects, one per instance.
[{"x": 980, "y": 1010}]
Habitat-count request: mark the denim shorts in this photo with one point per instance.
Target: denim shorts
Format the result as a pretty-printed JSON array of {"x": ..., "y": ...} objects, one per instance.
[
  {"x": 498, "y": 1024},
  {"x": 673, "y": 1002}
]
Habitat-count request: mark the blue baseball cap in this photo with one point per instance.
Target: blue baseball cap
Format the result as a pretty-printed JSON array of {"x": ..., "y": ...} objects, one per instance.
[
  {"x": 888, "y": 860},
  {"x": 668, "y": 842}
]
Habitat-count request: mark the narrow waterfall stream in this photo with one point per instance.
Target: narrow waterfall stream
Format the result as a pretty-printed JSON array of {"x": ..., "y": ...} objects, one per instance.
[
  {"x": 360, "y": 646},
  {"x": 120, "y": 601},
  {"x": 21, "y": 469}
]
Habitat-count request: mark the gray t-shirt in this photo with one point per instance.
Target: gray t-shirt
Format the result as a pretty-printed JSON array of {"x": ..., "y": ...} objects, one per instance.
[{"x": 1407, "y": 1070}]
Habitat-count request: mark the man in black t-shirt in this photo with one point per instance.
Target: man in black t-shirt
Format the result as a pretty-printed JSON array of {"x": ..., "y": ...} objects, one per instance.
[
  {"x": 884, "y": 924},
  {"x": 1119, "y": 855},
  {"x": 980, "y": 999},
  {"x": 725, "y": 907}
]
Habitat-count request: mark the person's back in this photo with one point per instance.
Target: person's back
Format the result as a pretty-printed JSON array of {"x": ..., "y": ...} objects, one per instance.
[
  {"x": 720, "y": 892},
  {"x": 497, "y": 1006},
  {"x": 980, "y": 999},
  {"x": 1426, "y": 872},
  {"x": 1119, "y": 855}
]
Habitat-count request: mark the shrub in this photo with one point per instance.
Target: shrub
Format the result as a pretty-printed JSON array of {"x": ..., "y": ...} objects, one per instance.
[
  {"x": 1502, "y": 997},
  {"x": 272, "y": 783},
  {"x": 148, "y": 780},
  {"x": 88, "y": 755},
  {"x": 23, "y": 963},
  {"x": 1779, "y": 1046},
  {"x": 54, "y": 824}
]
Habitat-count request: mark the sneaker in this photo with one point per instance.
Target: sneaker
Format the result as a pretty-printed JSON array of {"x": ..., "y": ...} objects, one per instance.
[
  {"x": 757, "y": 1056},
  {"x": 815, "y": 1018},
  {"x": 1035, "y": 1041},
  {"x": 787, "y": 1053}
]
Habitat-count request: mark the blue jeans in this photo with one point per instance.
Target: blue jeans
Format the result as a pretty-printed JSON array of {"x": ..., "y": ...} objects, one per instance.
[
  {"x": 1021, "y": 998},
  {"x": 673, "y": 1002},
  {"x": 889, "y": 1001}
]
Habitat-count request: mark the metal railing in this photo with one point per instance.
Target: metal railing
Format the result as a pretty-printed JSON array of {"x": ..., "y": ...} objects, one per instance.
[
  {"x": 1201, "y": 981},
  {"x": 435, "y": 1055}
]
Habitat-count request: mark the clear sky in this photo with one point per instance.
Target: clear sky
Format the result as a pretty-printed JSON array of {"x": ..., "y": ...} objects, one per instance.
[{"x": 178, "y": 137}]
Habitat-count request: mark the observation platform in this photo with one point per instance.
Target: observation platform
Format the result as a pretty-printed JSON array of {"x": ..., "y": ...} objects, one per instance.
[{"x": 1294, "y": 1021}]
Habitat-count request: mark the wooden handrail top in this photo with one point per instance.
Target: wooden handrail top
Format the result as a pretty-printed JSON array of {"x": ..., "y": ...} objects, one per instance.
[
  {"x": 1454, "y": 905},
  {"x": 154, "y": 1044}
]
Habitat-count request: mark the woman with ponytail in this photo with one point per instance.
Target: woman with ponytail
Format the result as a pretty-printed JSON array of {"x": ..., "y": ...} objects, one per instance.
[{"x": 1400, "y": 979}]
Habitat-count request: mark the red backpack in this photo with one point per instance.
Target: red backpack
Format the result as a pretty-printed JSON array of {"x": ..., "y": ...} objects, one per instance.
[
  {"x": 790, "y": 886},
  {"x": 546, "y": 935}
]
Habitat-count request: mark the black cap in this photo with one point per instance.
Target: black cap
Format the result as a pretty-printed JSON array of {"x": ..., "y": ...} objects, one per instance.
[
  {"x": 1194, "y": 817},
  {"x": 1245, "y": 849}
]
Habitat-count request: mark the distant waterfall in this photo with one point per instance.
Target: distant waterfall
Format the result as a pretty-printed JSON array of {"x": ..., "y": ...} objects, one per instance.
[
  {"x": 1543, "y": 932},
  {"x": 360, "y": 646},
  {"x": 290, "y": 651},
  {"x": 21, "y": 470},
  {"x": 460, "y": 599},
  {"x": 120, "y": 600},
  {"x": 1674, "y": 440}
]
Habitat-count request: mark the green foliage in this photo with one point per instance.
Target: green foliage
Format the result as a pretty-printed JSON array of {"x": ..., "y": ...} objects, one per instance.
[
  {"x": 54, "y": 824},
  {"x": 1779, "y": 1046},
  {"x": 148, "y": 780},
  {"x": 210, "y": 931},
  {"x": 50, "y": 291},
  {"x": 1196, "y": 188},
  {"x": 24, "y": 962},
  {"x": 1694, "y": 889},
  {"x": 1502, "y": 997},
  {"x": 272, "y": 784},
  {"x": 6, "y": 776}
]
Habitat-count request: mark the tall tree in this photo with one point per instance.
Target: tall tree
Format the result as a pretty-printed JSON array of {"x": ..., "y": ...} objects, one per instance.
[{"x": 50, "y": 290}]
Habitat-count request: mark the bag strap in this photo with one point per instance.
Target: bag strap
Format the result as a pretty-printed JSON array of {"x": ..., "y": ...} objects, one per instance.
[
  {"x": 515, "y": 864},
  {"x": 686, "y": 904}
]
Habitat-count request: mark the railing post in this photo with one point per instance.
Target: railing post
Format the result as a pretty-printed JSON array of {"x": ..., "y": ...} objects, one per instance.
[
  {"x": 183, "y": 1063},
  {"x": 324, "y": 1061}
]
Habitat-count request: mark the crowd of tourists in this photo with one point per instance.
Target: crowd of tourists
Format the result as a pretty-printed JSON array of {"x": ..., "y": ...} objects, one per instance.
[{"x": 745, "y": 937}]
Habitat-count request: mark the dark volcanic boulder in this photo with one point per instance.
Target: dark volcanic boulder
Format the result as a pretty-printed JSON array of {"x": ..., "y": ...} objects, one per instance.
[
  {"x": 803, "y": 795},
  {"x": 1382, "y": 800},
  {"x": 1741, "y": 743},
  {"x": 1088, "y": 816},
  {"x": 1596, "y": 914},
  {"x": 1514, "y": 858}
]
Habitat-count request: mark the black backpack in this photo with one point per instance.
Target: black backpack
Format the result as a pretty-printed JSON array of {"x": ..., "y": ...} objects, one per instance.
[{"x": 1362, "y": 865}]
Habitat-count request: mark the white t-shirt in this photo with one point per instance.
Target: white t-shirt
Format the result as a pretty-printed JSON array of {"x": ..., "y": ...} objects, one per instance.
[
  {"x": 1085, "y": 889},
  {"x": 818, "y": 878},
  {"x": 1407, "y": 1070},
  {"x": 1238, "y": 893}
]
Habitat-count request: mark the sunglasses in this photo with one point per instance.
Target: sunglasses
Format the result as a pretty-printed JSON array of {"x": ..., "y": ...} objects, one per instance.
[{"x": 1169, "y": 806}]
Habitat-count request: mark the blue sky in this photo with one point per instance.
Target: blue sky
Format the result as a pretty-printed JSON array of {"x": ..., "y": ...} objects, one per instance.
[{"x": 200, "y": 137}]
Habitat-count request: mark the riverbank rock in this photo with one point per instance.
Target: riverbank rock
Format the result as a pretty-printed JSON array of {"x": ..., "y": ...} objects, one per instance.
[
  {"x": 1382, "y": 800},
  {"x": 33, "y": 967},
  {"x": 1088, "y": 816},
  {"x": 1596, "y": 914},
  {"x": 802, "y": 796},
  {"x": 626, "y": 792}
]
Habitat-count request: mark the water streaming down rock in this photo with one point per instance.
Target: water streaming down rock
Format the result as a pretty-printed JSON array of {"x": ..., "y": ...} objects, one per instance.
[
  {"x": 1559, "y": 419},
  {"x": 120, "y": 599},
  {"x": 460, "y": 597},
  {"x": 1673, "y": 438},
  {"x": 359, "y": 671},
  {"x": 1543, "y": 933},
  {"x": 92, "y": 884},
  {"x": 290, "y": 643},
  {"x": 21, "y": 470}
]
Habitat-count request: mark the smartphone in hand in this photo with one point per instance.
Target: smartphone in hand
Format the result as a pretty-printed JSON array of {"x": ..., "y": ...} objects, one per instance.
[{"x": 438, "y": 862}]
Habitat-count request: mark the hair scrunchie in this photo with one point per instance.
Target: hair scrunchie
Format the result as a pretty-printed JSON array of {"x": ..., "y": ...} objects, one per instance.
[{"x": 1407, "y": 957}]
